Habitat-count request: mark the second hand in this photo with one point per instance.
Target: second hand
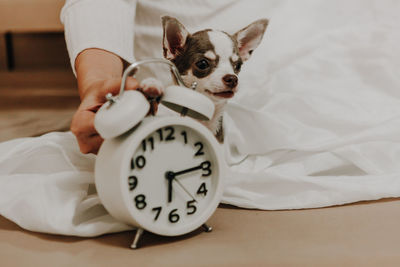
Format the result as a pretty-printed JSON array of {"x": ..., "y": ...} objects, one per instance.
[{"x": 187, "y": 192}]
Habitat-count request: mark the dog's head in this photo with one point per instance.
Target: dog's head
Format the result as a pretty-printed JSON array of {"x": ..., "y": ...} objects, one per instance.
[{"x": 211, "y": 58}]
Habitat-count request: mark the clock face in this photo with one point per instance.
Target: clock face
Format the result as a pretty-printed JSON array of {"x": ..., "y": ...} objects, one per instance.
[{"x": 172, "y": 180}]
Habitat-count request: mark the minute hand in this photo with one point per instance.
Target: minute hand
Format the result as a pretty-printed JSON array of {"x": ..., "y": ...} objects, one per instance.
[{"x": 189, "y": 170}]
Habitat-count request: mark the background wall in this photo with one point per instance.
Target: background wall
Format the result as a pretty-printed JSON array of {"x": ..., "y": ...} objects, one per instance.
[{"x": 37, "y": 88}]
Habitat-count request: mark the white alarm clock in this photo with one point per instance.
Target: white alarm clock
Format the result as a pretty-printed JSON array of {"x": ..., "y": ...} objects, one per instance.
[{"x": 162, "y": 174}]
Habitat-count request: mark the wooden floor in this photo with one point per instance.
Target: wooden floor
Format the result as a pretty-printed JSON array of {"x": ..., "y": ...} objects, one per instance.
[
  {"x": 34, "y": 103},
  {"x": 33, "y": 122}
]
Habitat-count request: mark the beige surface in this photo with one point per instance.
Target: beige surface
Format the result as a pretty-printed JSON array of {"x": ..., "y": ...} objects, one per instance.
[
  {"x": 33, "y": 103},
  {"x": 33, "y": 122},
  {"x": 354, "y": 235}
]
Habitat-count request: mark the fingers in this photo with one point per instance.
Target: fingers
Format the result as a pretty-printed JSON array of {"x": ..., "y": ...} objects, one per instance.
[
  {"x": 99, "y": 90},
  {"x": 82, "y": 127},
  {"x": 131, "y": 84},
  {"x": 113, "y": 86},
  {"x": 91, "y": 144}
]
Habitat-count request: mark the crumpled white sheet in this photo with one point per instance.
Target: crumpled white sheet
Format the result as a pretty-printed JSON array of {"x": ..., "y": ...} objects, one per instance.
[
  {"x": 47, "y": 185},
  {"x": 316, "y": 123}
]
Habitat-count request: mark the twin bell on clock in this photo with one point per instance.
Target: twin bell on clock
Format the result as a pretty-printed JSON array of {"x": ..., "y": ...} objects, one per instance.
[{"x": 162, "y": 174}]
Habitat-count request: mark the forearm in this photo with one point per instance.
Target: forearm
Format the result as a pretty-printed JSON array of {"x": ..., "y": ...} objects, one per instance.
[
  {"x": 99, "y": 37},
  {"x": 95, "y": 65}
]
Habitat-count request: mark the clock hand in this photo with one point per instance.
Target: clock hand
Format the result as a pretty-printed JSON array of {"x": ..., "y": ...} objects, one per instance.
[
  {"x": 191, "y": 169},
  {"x": 184, "y": 189},
  {"x": 170, "y": 176}
]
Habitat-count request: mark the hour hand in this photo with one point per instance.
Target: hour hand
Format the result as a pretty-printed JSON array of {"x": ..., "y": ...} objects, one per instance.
[{"x": 170, "y": 176}]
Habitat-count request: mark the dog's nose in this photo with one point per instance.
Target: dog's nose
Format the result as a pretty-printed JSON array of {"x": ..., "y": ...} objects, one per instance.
[{"x": 230, "y": 80}]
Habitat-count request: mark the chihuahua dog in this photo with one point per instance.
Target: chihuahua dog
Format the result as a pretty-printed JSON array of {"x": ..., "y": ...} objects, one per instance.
[{"x": 211, "y": 58}]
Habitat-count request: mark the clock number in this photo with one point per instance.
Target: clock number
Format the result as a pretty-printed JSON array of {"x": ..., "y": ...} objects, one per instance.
[
  {"x": 202, "y": 189},
  {"x": 206, "y": 166},
  {"x": 170, "y": 135},
  {"x": 132, "y": 180},
  {"x": 200, "y": 149},
  {"x": 144, "y": 144},
  {"x": 190, "y": 205},
  {"x": 140, "y": 162},
  {"x": 173, "y": 217},
  {"x": 184, "y": 134},
  {"x": 160, "y": 134},
  {"x": 151, "y": 140},
  {"x": 140, "y": 202},
  {"x": 158, "y": 211}
]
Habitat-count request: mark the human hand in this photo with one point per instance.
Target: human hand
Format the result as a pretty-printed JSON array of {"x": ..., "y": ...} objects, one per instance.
[
  {"x": 82, "y": 125},
  {"x": 99, "y": 73}
]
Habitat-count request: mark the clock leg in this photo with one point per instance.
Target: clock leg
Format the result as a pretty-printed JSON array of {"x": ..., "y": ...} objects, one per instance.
[
  {"x": 139, "y": 233},
  {"x": 207, "y": 228}
]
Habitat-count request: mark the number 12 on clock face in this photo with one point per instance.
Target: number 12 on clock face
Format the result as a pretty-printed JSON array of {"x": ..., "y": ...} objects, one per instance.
[{"x": 171, "y": 176}]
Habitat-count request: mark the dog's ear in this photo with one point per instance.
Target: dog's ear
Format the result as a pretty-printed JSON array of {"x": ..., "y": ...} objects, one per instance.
[
  {"x": 174, "y": 37},
  {"x": 250, "y": 37}
]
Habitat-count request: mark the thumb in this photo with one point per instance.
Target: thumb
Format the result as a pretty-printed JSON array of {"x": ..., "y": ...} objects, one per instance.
[
  {"x": 131, "y": 84},
  {"x": 113, "y": 86}
]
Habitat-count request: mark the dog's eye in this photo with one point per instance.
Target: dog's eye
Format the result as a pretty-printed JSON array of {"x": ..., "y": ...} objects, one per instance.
[
  {"x": 238, "y": 66},
  {"x": 202, "y": 64}
]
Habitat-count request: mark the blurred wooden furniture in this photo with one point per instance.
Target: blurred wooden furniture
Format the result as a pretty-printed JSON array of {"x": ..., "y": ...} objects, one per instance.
[
  {"x": 30, "y": 15},
  {"x": 23, "y": 16},
  {"x": 37, "y": 88},
  {"x": 23, "y": 20}
]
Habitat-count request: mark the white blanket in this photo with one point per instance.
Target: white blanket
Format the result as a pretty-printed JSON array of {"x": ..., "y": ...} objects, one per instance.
[{"x": 316, "y": 123}]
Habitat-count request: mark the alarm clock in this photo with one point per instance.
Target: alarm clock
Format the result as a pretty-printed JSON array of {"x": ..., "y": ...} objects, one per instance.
[{"x": 164, "y": 173}]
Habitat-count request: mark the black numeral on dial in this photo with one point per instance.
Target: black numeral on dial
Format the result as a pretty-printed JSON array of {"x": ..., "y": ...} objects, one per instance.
[
  {"x": 191, "y": 207},
  {"x": 158, "y": 211},
  {"x": 160, "y": 134},
  {"x": 166, "y": 134},
  {"x": 170, "y": 133},
  {"x": 206, "y": 167},
  {"x": 200, "y": 147},
  {"x": 140, "y": 202},
  {"x": 202, "y": 189},
  {"x": 133, "y": 181},
  {"x": 150, "y": 140},
  {"x": 139, "y": 162},
  {"x": 173, "y": 217},
  {"x": 184, "y": 134}
]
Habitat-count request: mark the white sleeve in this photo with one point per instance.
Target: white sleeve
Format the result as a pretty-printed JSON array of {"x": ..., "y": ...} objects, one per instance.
[{"x": 103, "y": 24}]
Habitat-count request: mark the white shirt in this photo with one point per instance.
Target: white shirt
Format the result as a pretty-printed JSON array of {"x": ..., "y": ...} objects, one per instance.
[{"x": 132, "y": 29}]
